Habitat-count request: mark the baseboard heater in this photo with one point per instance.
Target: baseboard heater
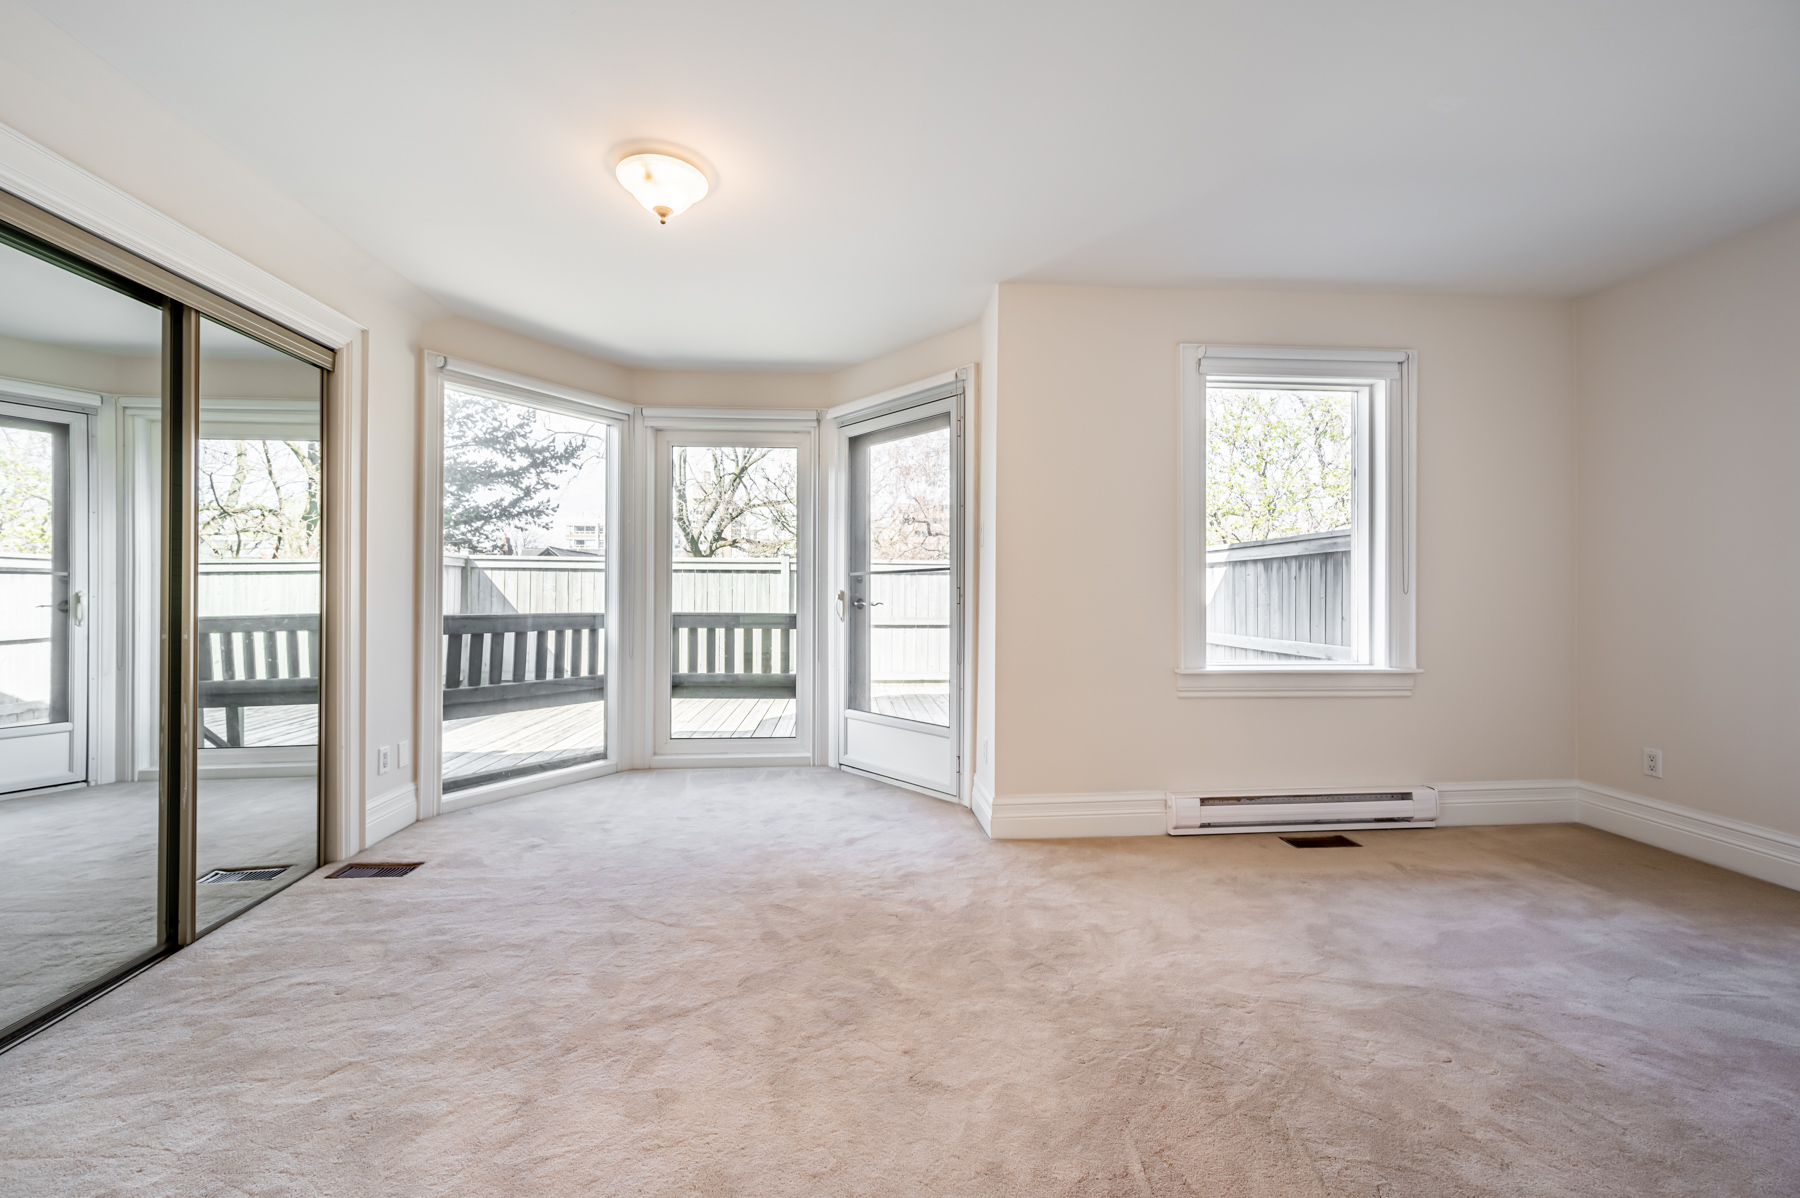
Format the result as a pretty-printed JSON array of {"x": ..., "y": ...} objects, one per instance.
[{"x": 1298, "y": 810}]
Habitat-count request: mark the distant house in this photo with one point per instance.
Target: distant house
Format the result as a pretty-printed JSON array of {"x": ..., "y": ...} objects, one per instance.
[{"x": 584, "y": 537}]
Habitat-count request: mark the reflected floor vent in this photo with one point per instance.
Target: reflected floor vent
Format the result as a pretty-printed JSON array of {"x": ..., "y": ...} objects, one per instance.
[
  {"x": 1301, "y": 810},
  {"x": 254, "y": 873},
  {"x": 377, "y": 869}
]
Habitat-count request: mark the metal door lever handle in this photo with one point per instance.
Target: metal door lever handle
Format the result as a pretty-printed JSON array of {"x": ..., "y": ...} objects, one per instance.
[{"x": 866, "y": 603}]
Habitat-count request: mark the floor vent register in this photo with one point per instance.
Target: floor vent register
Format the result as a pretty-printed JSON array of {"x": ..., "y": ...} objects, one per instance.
[
  {"x": 253, "y": 873},
  {"x": 377, "y": 869}
]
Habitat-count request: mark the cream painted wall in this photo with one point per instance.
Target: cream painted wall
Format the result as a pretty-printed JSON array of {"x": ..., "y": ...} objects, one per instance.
[
  {"x": 79, "y": 369},
  {"x": 908, "y": 364},
  {"x": 62, "y": 96},
  {"x": 1085, "y": 581},
  {"x": 1690, "y": 529},
  {"x": 474, "y": 341},
  {"x": 732, "y": 389}
]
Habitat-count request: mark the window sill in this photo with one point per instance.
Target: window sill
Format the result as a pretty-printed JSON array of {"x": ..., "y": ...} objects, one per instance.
[{"x": 1291, "y": 682}]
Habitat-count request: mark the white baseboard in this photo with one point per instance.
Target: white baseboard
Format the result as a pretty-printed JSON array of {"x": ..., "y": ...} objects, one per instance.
[
  {"x": 1039, "y": 817},
  {"x": 1542, "y": 802},
  {"x": 1746, "y": 848},
  {"x": 981, "y": 802},
  {"x": 387, "y": 814},
  {"x": 1718, "y": 840}
]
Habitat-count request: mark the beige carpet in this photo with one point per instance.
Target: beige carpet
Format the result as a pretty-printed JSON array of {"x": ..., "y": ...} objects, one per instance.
[
  {"x": 800, "y": 982},
  {"x": 78, "y": 875}
]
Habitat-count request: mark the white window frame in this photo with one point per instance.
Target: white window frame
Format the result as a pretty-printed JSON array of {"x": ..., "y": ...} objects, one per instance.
[
  {"x": 1384, "y": 557},
  {"x": 795, "y": 429},
  {"x": 428, "y": 734}
]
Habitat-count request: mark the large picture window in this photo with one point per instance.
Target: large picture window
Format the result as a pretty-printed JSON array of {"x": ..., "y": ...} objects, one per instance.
[
  {"x": 523, "y": 656},
  {"x": 1296, "y": 521}
]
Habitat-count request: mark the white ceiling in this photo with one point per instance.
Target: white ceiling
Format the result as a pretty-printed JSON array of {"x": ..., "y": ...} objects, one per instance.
[
  {"x": 882, "y": 165},
  {"x": 48, "y": 304},
  {"x": 45, "y": 303}
]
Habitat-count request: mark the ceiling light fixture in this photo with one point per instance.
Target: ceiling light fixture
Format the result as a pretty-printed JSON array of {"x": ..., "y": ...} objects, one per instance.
[{"x": 663, "y": 183}]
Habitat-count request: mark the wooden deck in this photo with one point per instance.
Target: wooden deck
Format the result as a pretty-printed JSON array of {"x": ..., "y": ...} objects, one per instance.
[
  {"x": 517, "y": 743},
  {"x": 268, "y": 727},
  {"x": 926, "y": 702},
  {"x": 731, "y": 719}
]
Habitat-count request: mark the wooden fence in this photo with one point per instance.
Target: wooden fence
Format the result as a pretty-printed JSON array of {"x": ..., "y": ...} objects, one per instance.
[
  {"x": 1285, "y": 599},
  {"x": 910, "y": 636},
  {"x": 511, "y": 641}
]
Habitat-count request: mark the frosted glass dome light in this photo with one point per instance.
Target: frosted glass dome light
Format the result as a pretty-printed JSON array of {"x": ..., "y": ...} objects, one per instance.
[{"x": 665, "y": 185}]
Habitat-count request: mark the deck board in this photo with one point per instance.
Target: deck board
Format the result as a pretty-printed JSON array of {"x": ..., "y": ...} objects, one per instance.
[{"x": 519, "y": 740}]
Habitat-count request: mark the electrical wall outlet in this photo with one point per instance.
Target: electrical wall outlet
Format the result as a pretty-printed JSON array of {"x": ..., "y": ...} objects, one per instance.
[
  {"x": 384, "y": 759},
  {"x": 406, "y": 754},
  {"x": 1653, "y": 762}
]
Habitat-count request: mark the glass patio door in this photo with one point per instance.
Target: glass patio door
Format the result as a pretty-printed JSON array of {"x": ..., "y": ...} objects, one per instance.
[
  {"x": 733, "y": 603},
  {"x": 900, "y": 599}
]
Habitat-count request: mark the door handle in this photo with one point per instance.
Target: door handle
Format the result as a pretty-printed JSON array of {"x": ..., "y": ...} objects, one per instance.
[
  {"x": 840, "y": 605},
  {"x": 80, "y": 616},
  {"x": 866, "y": 603}
]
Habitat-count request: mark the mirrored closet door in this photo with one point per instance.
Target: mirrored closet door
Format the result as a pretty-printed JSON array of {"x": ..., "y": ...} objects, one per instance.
[
  {"x": 162, "y": 535},
  {"x": 258, "y": 535},
  {"x": 81, "y": 828}
]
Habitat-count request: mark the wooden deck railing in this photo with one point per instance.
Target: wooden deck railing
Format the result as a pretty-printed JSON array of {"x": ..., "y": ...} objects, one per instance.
[
  {"x": 495, "y": 664},
  {"x": 498, "y": 663},
  {"x": 732, "y": 654},
  {"x": 256, "y": 661}
]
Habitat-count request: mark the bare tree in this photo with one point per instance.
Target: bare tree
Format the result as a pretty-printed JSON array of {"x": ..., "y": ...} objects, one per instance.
[
  {"x": 735, "y": 500},
  {"x": 260, "y": 498},
  {"x": 909, "y": 498}
]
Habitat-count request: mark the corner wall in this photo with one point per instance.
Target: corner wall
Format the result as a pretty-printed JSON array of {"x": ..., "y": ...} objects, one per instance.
[
  {"x": 1690, "y": 529},
  {"x": 1086, "y": 588}
]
